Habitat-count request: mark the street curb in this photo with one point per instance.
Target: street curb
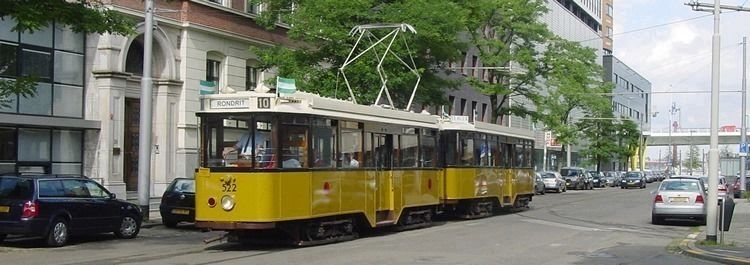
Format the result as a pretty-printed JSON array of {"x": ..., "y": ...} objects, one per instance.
[
  {"x": 151, "y": 224},
  {"x": 688, "y": 247}
]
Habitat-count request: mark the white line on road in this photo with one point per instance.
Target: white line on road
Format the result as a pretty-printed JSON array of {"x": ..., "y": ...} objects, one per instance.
[{"x": 574, "y": 227}]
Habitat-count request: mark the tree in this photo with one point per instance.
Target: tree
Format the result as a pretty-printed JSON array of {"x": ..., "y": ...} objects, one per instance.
[
  {"x": 506, "y": 35},
  {"x": 627, "y": 140},
  {"x": 321, "y": 30},
  {"x": 574, "y": 84},
  {"x": 693, "y": 160},
  {"x": 80, "y": 16}
]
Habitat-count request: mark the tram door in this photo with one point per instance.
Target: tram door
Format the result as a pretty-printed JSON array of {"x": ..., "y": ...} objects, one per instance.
[{"x": 382, "y": 146}]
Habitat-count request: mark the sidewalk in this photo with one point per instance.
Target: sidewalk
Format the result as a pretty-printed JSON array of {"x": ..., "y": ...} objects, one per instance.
[
  {"x": 154, "y": 217},
  {"x": 736, "y": 249}
]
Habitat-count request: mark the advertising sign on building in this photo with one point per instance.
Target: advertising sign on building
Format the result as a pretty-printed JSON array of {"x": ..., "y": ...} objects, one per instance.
[{"x": 550, "y": 140}]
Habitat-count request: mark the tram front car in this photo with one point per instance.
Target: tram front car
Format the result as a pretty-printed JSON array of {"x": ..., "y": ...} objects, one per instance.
[{"x": 310, "y": 169}]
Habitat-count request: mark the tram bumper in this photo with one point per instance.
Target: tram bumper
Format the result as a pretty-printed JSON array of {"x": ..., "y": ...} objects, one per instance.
[{"x": 234, "y": 225}]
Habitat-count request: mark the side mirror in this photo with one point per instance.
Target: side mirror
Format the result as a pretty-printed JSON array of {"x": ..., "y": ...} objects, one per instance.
[{"x": 112, "y": 196}]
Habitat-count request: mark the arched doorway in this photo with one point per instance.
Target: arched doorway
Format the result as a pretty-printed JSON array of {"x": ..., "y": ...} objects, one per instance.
[{"x": 131, "y": 123}]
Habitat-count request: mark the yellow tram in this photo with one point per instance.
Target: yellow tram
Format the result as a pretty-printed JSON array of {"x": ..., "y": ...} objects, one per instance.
[{"x": 314, "y": 169}]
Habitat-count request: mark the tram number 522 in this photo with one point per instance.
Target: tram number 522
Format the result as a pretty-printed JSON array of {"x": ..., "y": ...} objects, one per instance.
[
  {"x": 229, "y": 185},
  {"x": 264, "y": 103}
]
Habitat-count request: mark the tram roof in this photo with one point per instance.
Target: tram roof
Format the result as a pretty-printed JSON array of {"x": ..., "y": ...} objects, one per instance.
[
  {"x": 311, "y": 104},
  {"x": 483, "y": 127}
]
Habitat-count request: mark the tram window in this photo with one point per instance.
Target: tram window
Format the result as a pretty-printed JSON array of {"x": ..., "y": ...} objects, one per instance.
[
  {"x": 369, "y": 158},
  {"x": 265, "y": 143},
  {"x": 529, "y": 154},
  {"x": 428, "y": 155},
  {"x": 482, "y": 151},
  {"x": 467, "y": 149},
  {"x": 294, "y": 146},
  {"x": 520, "y": 156},
  {"x": 351, "y": 144},
  {"x": 495, "y": 155},
  {"x": 396, "y": 154},
  {"x": 505, "y": 155},
  {"x": 323, "y": 143},
  {"x": 450, "y": 143},
  {"x": 409, "y": 150}
]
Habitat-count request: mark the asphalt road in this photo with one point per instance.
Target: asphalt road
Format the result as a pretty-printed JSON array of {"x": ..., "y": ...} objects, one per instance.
[{"x": 603, "y": 226}]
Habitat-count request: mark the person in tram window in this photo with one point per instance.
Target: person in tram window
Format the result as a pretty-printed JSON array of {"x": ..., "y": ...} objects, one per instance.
[
  {"x": 290, "y": 160},
  {"x": 244, "y": 147},
  {"x": 349, "y": 161}
]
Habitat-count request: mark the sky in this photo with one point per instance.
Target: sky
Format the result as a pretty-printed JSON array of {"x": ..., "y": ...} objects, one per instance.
[{"x": 670, "y": 45}]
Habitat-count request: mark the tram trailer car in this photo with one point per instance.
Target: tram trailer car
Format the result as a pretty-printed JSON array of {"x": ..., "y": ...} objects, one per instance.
[
  {"x": 314, "y": 170},
  {"x": 486, "y": 167}
]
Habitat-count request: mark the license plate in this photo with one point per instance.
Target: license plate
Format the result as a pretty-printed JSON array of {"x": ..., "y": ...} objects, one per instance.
[
  {"x": 4, "y": 209},
  {"x": 678, "y": 199},
  {"x": 180, "y": 211}
]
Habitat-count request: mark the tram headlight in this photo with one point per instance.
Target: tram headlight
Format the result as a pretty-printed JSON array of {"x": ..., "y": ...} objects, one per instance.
[{"x": 227, "y": 202}]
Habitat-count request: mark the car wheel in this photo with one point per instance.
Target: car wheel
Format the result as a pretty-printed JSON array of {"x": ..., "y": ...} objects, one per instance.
[
  {"x": 169, "y": 223},
  {"x": 129, "y": 227},
  {"x": 58, "y": 233},
  {"x": 559, "y": 190},
  {"x": 655, "y": 219}
]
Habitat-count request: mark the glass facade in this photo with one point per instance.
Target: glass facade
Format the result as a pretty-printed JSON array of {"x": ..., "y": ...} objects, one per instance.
[{"x": 54, "y": 56}]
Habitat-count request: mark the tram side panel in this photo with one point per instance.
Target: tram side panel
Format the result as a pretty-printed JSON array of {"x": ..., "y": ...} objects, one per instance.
[
  {"x": 283, "y": 196},
  {"x": 418, "y": 187},
  {"x": 471, "y": 183}
]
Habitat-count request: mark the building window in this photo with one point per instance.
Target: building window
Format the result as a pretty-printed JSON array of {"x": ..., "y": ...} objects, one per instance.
[
  {"x": 213, "y": 71},
  {"x": 610, "y": 32},
  {"x": 253, "y": 8},
  {"x": 474, "y": 61},
  {"x": 484, "y": 112},
  {"x": 451, "y": 103},
  {"x": 610, "y": 10},
  {"x": 251, "y": 78},
  {"x": 221, "y": 2},
  {"x": 463, "y": 106}
]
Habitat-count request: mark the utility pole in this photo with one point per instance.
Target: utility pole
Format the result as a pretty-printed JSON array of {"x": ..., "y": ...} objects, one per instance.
[
  {"x": 144, "y": 137},
  {"x": 713, "y": 151},
  {"x": 743, "y": 134}
]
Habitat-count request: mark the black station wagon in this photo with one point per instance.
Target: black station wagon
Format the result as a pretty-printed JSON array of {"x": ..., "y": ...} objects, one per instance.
[{"x": 57, "y": 206}]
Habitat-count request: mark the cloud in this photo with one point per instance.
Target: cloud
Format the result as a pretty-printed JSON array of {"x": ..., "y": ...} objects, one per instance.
[{"x": 677, "y": 58}]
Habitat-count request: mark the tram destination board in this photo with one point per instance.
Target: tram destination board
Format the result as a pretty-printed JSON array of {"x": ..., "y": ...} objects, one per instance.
[{"x": 229, "y": 103}]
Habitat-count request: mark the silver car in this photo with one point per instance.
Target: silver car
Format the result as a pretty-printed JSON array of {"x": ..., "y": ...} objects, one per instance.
[
  {"x": 553, "y": 181},
  {"x": 679, "y": 198}
]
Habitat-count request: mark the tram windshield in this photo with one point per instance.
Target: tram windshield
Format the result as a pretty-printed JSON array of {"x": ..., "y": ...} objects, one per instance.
[{"x": 252, "y": 141}]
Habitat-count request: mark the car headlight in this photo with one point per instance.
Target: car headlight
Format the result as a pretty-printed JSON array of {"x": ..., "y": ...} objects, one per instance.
[
  {"x": 227, "y": 202},
  {"x": 637, "y": 180}
]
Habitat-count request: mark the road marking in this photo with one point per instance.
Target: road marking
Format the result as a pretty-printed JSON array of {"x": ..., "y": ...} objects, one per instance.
[{"x": 574, "y": 227}]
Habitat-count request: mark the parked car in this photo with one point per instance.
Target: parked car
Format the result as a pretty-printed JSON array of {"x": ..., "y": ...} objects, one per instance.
[
  {"x": 598, "y": 180},
  {"x": 649, "y": 176},
  {"x": 679, "y": 198},
  {"x": 736, "y": 187},
  {"x": 634, "y": 179},
  {"x": 553, "y": 181},
  {"x": 178, "y": 202},
  {"x": 58, "y": 206},
  {"x": 538, "y": 184},
  {"x": 722, "y": 186},
  {"x": 575, "y": 178},
  {"x": 611, "y": 178}
]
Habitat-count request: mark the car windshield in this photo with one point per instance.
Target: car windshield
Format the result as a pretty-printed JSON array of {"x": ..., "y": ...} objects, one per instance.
[
  {"x": 548, "y": 176},
  {"x": 15, "y": 188},
  {"x": 680, "y": 186},
  {"x": 184, "y": 185},
  {"x": 632, "y": 176}
]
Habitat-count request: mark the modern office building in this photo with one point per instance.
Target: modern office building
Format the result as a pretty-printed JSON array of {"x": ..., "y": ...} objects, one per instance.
[
  {"x": 46, "y": 132},
  {"x": 607, "y": 32},
  {"x": 575, "y": 20},
  {"x": 631, "y": 96}
]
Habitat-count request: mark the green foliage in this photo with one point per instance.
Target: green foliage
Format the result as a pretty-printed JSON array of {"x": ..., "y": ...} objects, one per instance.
[
  {"x": 322, "y": 28},
  {"x": 693, "y": 160},
  {"x": 507, "y": 33},
  {"x": 80, "y": 16}
]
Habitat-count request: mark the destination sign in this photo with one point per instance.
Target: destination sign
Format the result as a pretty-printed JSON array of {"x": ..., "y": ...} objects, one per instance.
[{"x": 230, "y": 103}]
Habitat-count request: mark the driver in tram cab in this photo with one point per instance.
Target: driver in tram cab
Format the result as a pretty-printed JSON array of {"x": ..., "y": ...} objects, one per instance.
[{"x": 243, "y": 146}]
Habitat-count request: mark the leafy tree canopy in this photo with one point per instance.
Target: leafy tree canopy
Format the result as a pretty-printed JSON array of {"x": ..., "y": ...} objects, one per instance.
[{"x": 323, "y": 27}]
